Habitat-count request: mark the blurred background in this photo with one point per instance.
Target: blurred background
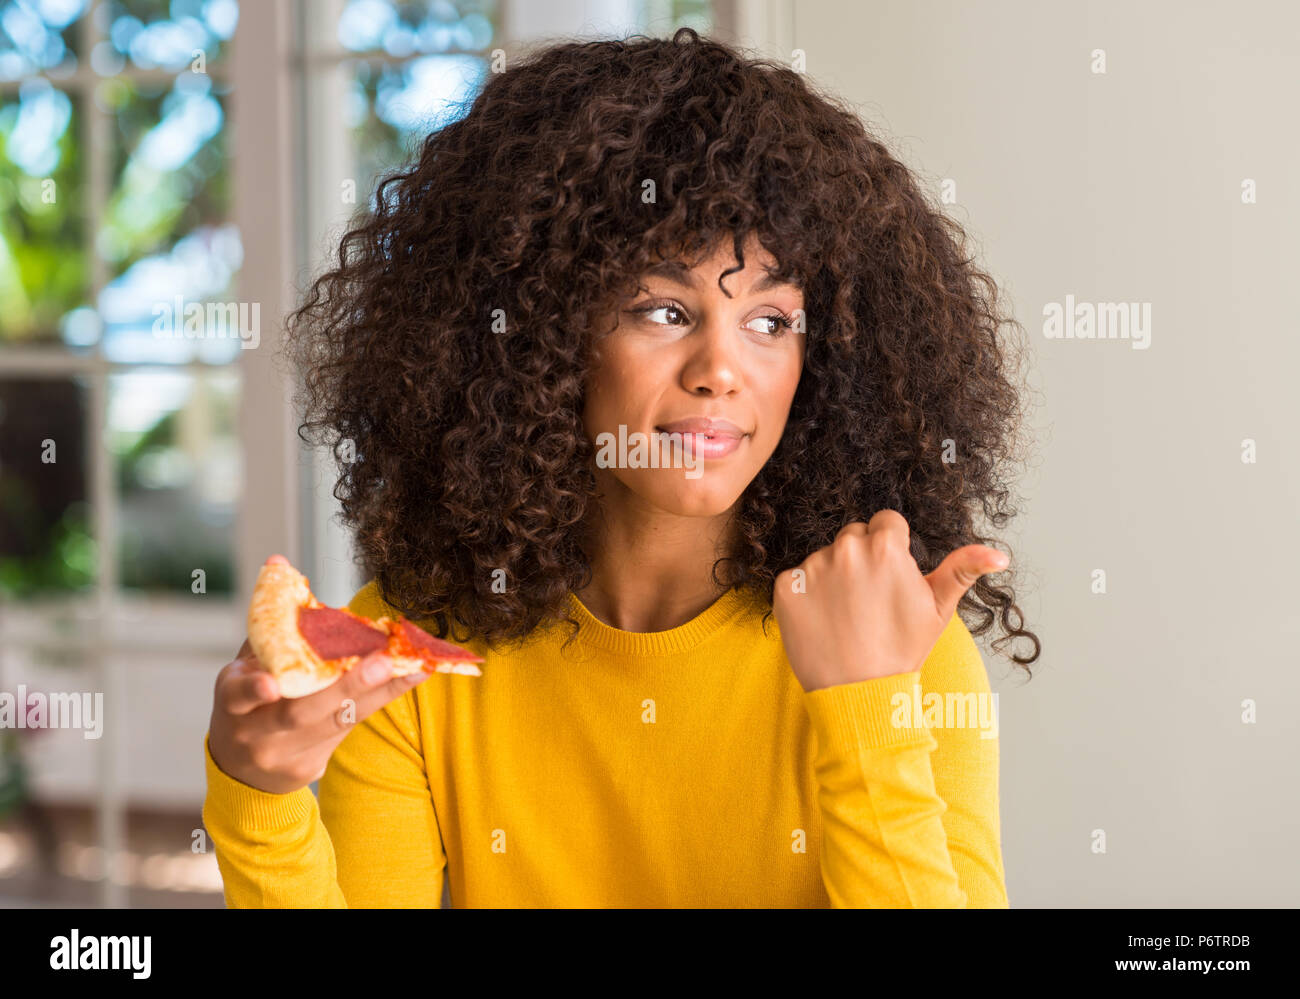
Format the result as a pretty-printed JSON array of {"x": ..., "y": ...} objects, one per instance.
[
  {"x": 157, "y": 155},
  {"x": 160, "y": 158}
]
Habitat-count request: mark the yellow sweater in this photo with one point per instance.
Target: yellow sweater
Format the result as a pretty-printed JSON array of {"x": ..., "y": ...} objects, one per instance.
[{"x": 680, "y": 768}]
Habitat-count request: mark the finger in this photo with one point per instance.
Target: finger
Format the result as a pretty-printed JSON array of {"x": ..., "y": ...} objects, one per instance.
[
  {"x": 373, "y": 671},
  {"x": 378, "y": 698},
  {"x": 890, "y": 522},
  {"x": 356, "y": 696},
  {"x": 959, "y": 572},
  {"x": 852, "y": 528},
  {"x": 349, "y": 712},
  {"x": 245, "y": 687},
  {"x": 389, "y": 691},
  {"x": 374, "y": 696}
]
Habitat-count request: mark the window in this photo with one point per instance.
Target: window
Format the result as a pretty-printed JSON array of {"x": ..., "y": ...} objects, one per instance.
[
  {"x": 118, "y": 262},
  {"x": 122, "y": 350}
]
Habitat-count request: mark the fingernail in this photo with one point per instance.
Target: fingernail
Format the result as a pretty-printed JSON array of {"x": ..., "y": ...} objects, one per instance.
[
  {"x": 377, "y": 670},
  {"x": 999, "y": 562}
]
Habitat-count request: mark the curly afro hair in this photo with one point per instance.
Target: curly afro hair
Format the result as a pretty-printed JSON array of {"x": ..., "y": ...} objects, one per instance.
[{"x": 443, "y": 358}]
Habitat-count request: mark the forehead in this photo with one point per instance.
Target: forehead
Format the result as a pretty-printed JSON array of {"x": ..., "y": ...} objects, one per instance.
[
  {"x": 720, "y": 255},
  {"x": 761, "y": 267},
  {"x": 678, "y": 273}
]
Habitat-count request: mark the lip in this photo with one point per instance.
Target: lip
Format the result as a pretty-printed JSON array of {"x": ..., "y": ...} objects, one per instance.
[
  {"x": 706, "y": 438},
  {"x": 703, "y": 425}
]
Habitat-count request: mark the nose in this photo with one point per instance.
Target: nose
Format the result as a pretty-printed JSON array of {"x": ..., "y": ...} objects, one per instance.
[{"x": 712, "y": 365}]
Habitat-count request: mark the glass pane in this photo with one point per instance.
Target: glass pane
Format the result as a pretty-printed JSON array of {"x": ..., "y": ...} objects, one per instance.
[
  {"x": 176, "y": 306},
  {"x": 45, "y": 520},
  {"x": 406, "y": 28},
  {"x": 39, "y": 35},
  {"x": 169, "y": 164},
  {"x": 390, "y": 109},
  {"x": 170, "y": 251},
  {"x": 178, "y": 478},
  {"x": 43, "y": 258},
  {"x": 169, "y": 34}
]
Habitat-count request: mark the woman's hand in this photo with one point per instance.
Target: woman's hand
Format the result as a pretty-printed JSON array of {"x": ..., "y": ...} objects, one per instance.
[
  {"x": 281, "y": 744},
  {"x": 861, "y": 608}
]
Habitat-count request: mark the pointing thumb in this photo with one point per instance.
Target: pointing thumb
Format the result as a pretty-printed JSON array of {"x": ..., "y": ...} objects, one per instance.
[{"x": 959, "y": 572}]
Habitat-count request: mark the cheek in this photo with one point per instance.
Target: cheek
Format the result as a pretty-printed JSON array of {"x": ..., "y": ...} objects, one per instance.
[
  {"x": 627, "y": 373},
  {"x": 780, "y": 383},
  {"x": 614, "y": 385}
]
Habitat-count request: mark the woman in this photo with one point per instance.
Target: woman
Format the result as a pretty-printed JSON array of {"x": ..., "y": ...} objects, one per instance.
[{"x": 657, "y": 383}]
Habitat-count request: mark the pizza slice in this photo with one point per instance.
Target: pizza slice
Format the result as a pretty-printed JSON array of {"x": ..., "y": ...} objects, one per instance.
[{"x": 307, "y": 646}]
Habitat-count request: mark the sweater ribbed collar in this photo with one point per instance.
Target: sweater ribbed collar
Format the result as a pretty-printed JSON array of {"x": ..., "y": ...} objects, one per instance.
[{"x": 685, "y": 637}]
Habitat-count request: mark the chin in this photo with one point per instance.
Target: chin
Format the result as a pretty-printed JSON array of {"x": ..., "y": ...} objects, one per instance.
[{"x": 693, "y": 497}]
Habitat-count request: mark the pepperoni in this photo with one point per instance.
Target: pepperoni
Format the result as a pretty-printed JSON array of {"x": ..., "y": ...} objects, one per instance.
[
  {"x": 436, "y": 647},
  {"x": 334, "y": 634}
]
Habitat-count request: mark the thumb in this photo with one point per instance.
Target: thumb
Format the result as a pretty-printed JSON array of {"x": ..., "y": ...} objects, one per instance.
[{"x": 959, "y": 572}]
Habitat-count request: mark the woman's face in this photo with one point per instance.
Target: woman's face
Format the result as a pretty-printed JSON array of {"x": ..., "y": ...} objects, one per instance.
[{"x": 683, "y": 351}]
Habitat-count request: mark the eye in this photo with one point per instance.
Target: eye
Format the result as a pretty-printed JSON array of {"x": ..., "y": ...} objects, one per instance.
[
  {"x": 778, "y": 324},
  {"x": 651, "y": 308}
]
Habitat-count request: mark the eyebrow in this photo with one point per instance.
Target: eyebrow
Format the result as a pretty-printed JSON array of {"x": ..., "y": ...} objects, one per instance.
[{"x": 679, "y": 273}]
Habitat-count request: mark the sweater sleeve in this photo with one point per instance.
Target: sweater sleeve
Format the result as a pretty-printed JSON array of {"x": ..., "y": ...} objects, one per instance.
[
  {"x": 910, "y": 811},
  {"x": 291, "y": 851}
]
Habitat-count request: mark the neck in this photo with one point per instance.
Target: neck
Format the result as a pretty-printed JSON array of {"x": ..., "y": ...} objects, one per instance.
[{"x": 651, "y": 570}]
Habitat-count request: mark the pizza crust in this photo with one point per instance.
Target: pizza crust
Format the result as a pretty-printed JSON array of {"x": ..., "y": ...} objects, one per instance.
[{"x": 274, "y": 637}]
